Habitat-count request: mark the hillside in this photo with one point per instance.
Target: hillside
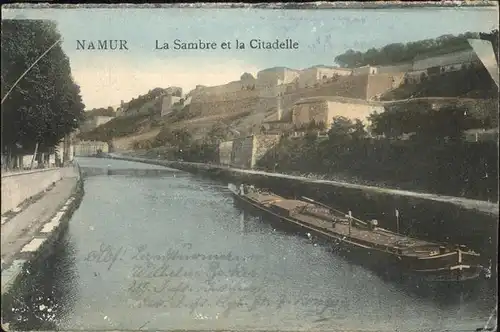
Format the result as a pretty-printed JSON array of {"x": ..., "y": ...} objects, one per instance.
[
  {"x": 244, "y": 111},
  {"x": 246, "y": 115}
]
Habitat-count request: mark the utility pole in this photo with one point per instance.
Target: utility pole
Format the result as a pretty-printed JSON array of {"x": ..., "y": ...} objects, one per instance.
[
  {"x": 65, "y": 149},
  {"x": 397, "y": 221},
  {"x": 350, "y": 222}
]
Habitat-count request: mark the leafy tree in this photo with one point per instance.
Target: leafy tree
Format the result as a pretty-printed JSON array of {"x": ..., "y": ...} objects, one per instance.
[
  {"x": 358, "y": 129},
  {"x": 100, "y": 112},
  {"x": 246, "y": 76},
  {"x": 341, "y": 127},
  {"x": 310, "y": 137},
  {"x": 46, "y": 104},
  {"x": 419, "y": 118},
  {"x": 217, "y": 133},
  {"x": 181, "y": 137}
]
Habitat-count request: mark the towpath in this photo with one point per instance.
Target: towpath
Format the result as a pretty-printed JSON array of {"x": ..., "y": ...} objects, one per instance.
[{"x": 19, "y": 230}]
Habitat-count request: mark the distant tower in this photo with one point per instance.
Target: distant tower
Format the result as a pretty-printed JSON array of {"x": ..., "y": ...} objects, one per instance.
[{"x": 278, "y": 106}]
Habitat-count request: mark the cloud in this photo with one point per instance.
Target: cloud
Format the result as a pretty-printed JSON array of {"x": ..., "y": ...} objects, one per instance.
[{"x": 105, "y": 81}]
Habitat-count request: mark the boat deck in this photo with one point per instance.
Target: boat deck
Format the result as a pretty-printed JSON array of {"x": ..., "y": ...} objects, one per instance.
[{"x": 380, "y": 237}]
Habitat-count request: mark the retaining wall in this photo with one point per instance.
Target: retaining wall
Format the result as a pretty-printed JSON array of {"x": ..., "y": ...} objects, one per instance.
[
  {"x": 17, "y": 187},
  {"x": 46, "y": 242}
]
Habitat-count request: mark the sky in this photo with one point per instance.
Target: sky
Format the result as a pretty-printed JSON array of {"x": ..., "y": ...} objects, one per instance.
[{"x": 107, "y": 77}]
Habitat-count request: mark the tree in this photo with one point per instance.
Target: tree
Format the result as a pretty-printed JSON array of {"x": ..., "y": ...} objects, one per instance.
[
  {"x": 420, "y": 118},
  {"x": 246, "y": 77},
  {"x": 217, "y": 133},
  {"x": 46, "y": 104},
  {"x": 343, "y": 128},
  {"x": 358, "y": 130},
  {"x": 100, "y": 112},
  {"x": 181, "y": 137}
]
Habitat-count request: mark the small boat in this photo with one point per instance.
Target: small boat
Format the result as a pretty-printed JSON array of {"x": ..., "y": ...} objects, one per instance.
[{"x": 370, "y": 245}]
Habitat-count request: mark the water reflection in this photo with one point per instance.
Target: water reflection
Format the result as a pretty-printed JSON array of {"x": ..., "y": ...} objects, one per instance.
[
  {"x": 445, "y": 294},
  {"x": 292, "y": 273},
  {"x": 46, "y": 292}
]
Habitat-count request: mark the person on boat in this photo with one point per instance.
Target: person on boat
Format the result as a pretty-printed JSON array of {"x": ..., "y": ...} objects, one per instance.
[{"x": 242, "y": 189}]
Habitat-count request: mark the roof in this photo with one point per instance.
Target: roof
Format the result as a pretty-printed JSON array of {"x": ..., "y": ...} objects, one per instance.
[
  {"x": 277, "y": 121},
  {"x": 443, "y": 54},
  {"x": 337, "y": 99},
  {"x": 252, "y": 135},
  {"x": 330, "y": 67},
  {"x": 398, "y": 64}
]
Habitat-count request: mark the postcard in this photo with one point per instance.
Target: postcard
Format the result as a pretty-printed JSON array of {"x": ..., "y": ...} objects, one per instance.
[{"x": 250, "y": 167}]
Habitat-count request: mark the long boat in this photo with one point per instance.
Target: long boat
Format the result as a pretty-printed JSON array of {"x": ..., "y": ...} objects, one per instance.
[{"x": 364, "y": 241}]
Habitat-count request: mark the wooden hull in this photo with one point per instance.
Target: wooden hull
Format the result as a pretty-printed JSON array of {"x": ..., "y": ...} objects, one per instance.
[{"x": 440, "y": 268}]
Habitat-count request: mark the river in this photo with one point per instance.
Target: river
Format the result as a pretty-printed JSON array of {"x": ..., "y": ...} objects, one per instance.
[{"x": 173, "y": 252}]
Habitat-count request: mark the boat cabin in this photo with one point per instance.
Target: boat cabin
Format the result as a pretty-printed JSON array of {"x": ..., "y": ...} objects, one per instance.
[{"x": 288, "y": 207}]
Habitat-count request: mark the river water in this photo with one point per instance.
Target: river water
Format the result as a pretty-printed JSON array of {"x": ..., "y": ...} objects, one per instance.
[{"x": 173, "y": 252}]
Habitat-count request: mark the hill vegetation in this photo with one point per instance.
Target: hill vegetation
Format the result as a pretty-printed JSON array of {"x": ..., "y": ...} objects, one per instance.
[
  {"x": 118, "y": 127},
  {"x": 100, "y": 112},
  {"x": 436, "y": 158},
  {"x": 138, "y": 102}
]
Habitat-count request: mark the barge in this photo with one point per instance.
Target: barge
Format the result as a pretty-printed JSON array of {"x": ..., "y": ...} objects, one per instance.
[{"x": 372, "y": 246}]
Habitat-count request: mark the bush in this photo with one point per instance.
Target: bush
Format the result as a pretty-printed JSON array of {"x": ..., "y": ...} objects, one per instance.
[{"x": 450, "y": 168}]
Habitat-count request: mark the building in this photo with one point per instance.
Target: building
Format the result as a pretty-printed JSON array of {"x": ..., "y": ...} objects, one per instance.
[
  {"x": 446, "y": 62},
  {"x": 245, "y": 152},
  {"x": 247, "y": 82},
  {"x": 169, "y": 103},
  {"x": 174, "y": 91},
  {"x": 276, "y": 126},
  {"x": 324, "y": 109},
  {"x": 311, "y": 76},
  {"x": 269, "y": 80},
  {"x": 365, "y": 70},
  {"x": 395, "y": 68},
  {"x": 150, "y": 103},
  {"x": 225, "y": 152},
  {"x": 277, "y": 122},
  {"x": 94, "y": 122},
  {"x": 90, "y": 148}
]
